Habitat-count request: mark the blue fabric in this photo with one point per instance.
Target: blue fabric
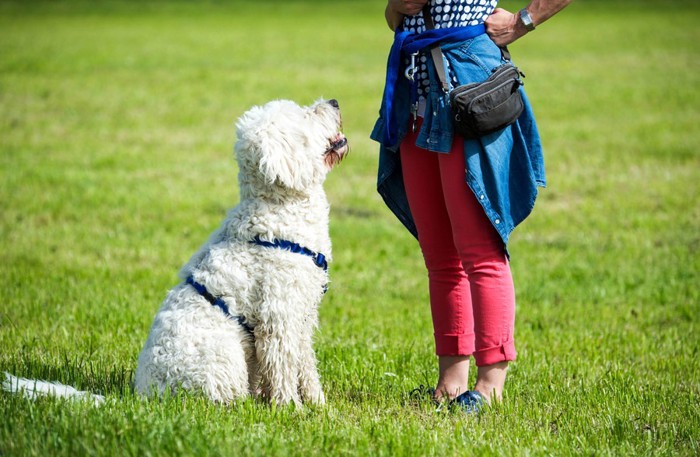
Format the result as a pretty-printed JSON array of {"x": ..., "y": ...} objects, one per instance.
[
  {"x": 407, "y": 43},
  {"x": 503, "y": 169},
  {"x": 219, "y": 303},
  {"x": 318, "y": 258}
]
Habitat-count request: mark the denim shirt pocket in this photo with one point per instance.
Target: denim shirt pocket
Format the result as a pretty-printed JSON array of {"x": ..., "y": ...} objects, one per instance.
[{"x": 437, "y": 132}]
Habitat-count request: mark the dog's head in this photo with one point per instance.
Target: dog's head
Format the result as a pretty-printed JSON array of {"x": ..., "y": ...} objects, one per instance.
[{"x": 284, "y": 144}]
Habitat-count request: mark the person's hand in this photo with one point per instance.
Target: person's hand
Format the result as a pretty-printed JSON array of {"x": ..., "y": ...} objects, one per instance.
[
  {"x": 407, "y": 7},
  {"x": 397, "y": 9},
  {"x": 504, "y": 27}
]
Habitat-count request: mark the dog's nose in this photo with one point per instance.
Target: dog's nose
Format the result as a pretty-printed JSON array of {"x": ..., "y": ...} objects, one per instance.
[{"x": 334, "y": 103}]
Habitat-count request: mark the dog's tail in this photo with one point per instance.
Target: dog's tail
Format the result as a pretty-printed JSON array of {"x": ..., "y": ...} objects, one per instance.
[{"x": 33, "y": 388}]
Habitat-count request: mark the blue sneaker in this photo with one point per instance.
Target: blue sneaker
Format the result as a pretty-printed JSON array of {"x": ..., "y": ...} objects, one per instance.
[{"x": 471, "y": 402}]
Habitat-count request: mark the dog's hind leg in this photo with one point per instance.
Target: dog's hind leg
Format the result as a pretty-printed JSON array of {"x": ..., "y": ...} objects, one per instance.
[
  {"x": 202, "y": 352},
  {"x": 219, "y": 368}
]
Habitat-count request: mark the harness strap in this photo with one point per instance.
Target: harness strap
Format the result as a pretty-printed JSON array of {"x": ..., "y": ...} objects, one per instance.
[
  {"x": 318, "y": 258},
  {"x": 219, "y": 303}
]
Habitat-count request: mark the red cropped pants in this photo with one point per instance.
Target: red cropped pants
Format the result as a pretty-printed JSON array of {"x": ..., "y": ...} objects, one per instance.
[{"x": 472, "y": 299}]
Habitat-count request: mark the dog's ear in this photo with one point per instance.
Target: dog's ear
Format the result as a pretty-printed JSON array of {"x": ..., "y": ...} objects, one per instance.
[
  {"x": 275, "y": 139},
  {"x": 283, "y": 159}
]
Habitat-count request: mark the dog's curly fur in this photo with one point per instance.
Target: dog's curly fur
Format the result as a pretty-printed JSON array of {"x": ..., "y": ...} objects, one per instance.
[{"x": 284, "y": 153}]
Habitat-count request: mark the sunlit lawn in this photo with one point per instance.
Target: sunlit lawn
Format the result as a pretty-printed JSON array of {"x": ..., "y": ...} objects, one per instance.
[{"x": 116, "y": 133}]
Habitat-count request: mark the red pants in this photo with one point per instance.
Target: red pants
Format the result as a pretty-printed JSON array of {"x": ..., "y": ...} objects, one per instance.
[{"x": 472, "y": 299}]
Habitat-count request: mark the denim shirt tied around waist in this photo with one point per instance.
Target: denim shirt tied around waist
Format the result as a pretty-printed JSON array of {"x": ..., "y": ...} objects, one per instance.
[{"x": 503, "y": 169}]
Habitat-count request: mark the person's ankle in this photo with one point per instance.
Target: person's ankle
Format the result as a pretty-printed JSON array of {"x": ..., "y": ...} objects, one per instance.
[
  {"x": 454, "y": 377},
  {"x": 490, "y": 381},
  {"x": 446, "y": 391},
  {"x": 490, "y": 393}
]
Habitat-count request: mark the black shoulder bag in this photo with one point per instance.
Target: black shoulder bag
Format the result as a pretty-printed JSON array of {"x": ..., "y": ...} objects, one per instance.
[{"x": 486, "y": 107}]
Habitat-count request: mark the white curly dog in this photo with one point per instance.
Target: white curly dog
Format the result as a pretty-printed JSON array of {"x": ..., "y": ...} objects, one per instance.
[{"x": 242, "y": 321}]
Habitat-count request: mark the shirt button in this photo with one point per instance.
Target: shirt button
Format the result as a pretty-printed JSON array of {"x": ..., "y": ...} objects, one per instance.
[
  {"x": 498, "y": 221},
  {"x": 481, "y": 197}
]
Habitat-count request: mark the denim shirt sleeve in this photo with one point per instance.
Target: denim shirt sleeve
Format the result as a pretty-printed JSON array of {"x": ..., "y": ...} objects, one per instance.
[{"x": 503, "y": 169}]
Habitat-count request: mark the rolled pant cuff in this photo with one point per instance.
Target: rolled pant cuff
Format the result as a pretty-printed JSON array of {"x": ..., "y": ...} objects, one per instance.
[
  {"x": 497, "y": 354},
  {"x": 446, "y": 345}
]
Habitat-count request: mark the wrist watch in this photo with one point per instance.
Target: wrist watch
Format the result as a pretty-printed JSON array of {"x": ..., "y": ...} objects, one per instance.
[{"x": 526, "y": 19}]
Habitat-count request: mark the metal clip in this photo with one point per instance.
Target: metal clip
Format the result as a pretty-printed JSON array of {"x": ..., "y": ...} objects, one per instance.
[
  {"x": 411, "y": 69},
  {"x": 414, "y": 112}
]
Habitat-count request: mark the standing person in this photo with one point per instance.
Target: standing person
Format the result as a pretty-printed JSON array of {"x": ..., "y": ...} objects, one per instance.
[{"x": 460, "y": 197}]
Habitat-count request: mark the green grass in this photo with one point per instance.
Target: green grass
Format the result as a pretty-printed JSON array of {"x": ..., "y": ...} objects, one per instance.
[{"x": 116, "y": 133}]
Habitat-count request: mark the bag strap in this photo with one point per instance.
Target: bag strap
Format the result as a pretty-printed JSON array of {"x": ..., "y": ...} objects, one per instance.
[{"x": 436, "y": 51}]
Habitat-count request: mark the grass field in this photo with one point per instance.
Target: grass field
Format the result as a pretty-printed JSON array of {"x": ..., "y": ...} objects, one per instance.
[{"x": 116, "y": 133}]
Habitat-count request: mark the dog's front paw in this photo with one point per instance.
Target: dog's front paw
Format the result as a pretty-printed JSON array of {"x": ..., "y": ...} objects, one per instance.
[
  {"x": 313, "y": 395},
  {"x": 320, "y": 399}
]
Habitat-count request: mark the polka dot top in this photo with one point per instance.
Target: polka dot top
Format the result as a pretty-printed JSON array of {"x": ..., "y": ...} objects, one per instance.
[{"x": 446, "y": 13}]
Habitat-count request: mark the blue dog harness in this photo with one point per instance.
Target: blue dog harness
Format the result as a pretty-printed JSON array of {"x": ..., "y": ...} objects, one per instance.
[{"x": 318, "y": 258}]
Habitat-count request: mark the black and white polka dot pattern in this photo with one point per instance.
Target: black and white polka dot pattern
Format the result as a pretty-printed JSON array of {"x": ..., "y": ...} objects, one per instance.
[{"x": 446, "y": 13}]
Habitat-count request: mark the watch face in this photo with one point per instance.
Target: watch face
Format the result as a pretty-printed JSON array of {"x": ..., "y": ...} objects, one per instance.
[{"x": 527, "y": 20}]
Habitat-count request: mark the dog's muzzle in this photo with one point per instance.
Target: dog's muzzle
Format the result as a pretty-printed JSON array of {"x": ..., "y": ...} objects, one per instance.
[
  {"x": 340, "y": 145},
  {"x": 337, "y": 151},
  {"x": 338, "y": 148}
]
